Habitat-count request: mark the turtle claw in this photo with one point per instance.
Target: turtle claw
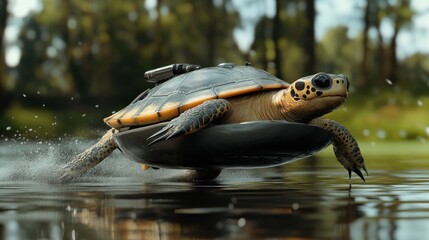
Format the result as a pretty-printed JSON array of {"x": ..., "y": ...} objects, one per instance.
[
  {"x": 364, "y": 168},
  {"x": 167, "y": 132},
  {"x": 160, "y": 135},
  {"x": 357, "y": 171},
  {"x": 156, "y": 140}
]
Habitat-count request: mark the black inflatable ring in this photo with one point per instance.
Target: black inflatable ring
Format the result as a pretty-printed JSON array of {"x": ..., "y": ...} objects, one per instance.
[{"x": 240, "y": 145}]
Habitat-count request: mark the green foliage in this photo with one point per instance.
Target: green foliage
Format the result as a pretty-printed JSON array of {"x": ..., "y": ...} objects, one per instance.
[
  {"x": 102, "y": 48},
  {"x": 98, "y": 51}
]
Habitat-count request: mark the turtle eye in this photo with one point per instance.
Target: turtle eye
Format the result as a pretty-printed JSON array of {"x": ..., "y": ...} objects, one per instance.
[{"x": 322, "y": 81}]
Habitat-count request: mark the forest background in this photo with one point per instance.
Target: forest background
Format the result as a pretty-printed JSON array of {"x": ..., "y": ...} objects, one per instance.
[{"x": 74, "y": 62}]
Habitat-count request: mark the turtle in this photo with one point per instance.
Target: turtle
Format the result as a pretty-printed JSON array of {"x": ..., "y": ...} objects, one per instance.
[{"x": 226, "y": 94}]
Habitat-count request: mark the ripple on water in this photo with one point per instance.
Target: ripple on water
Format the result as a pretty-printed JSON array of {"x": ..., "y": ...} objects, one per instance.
[{"x": 306, "y": 199}]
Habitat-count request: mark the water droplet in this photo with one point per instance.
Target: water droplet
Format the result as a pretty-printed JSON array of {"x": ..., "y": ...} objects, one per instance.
[
  {"x": 38, "y": 93},
  {"x": 241, "y": 222},
  {"x": 389, "y": 81},
  {"x": 295, "y": 206},
  {"x": 36, "y": 116},
  {"x": 84, "y": 115},
  {"x": 427, "y": 131},
  {"x": 381, "y": 134},
  {"x": 8, "y": 128},
  {"x": 97, "y": 106},
  {"x": 113, "y": 112},
  {"x": 24, "y": 95},
  {"x": 30, "y": 130},
  {"x": 72, "y": 98},
  {"x": 43, "y": 105},
  {"x": 419, "y": 103},
  {"x": 366, "y": 132}
]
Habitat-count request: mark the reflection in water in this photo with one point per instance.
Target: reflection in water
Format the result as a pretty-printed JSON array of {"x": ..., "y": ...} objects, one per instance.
[{"x": 309, "y": 199}]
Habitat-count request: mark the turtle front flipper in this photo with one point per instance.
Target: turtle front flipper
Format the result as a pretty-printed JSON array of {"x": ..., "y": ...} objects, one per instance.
[
  {"x": 89, "y": 158},
  {"x": 346, "y": 148},
  {"x": 192, "y": 120}
]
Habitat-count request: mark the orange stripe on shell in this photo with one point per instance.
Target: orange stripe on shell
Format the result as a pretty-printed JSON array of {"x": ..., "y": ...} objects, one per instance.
[{"x": 150, "y": 115}]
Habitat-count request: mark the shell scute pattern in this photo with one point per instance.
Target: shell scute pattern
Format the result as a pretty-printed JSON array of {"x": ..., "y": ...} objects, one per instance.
[{"x": 186, "y": 91}]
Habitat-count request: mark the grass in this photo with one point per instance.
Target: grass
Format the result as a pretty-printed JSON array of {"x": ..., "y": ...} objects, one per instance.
[
  {"x": 390, "y": 116},
  {"x": 385, "y": 118},
  {"x": 40, "y": 123},
  {"x": 387, "y": 155}
]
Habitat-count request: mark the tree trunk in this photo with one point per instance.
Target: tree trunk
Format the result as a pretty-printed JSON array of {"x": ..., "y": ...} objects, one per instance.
[
  {"x": 211, "y": 33},
  {"x": 362, "y": 80},
  {"x": 382, "y": 72},
  {"x": 265, "y": 24},
  {"x": 3, "y": 21},
  {"x": 276, "y": 40},
  {"x": 309, "y": 39},
  {"x": 158, "y": 36},
  {"x": 393, "y": 62}
]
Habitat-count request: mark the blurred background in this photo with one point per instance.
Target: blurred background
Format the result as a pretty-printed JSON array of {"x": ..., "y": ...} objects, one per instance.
[{"x": 67, "y": 64}]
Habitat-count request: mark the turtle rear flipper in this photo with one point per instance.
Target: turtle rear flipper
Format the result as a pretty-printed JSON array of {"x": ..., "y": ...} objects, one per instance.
[
  {"x": 88, "y": 159},
  {"x": 192, "y": 120},
  {"x": 346, "y": 148}
]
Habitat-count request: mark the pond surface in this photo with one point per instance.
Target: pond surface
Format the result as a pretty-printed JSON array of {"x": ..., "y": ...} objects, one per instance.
[{"x": 308, "y": 199}]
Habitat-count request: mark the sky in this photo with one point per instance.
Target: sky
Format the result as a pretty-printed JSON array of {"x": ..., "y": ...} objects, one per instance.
[{"x": 330, "y": 13}]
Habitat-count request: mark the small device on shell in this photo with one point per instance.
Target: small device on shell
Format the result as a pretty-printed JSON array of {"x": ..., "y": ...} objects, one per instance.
[{"x": 162, "y": 74}]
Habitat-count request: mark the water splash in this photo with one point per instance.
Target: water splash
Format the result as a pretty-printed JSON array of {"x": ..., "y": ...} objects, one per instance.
[
  {"x": 22, "y": 160},
  {"x": 41, "y": 161}
]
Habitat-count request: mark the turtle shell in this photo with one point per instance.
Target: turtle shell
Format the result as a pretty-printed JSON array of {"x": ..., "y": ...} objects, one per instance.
[{"x": 167, "y": 100}]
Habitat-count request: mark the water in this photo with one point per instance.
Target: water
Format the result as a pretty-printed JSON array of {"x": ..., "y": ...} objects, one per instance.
[{"x": 308, "y": 199}]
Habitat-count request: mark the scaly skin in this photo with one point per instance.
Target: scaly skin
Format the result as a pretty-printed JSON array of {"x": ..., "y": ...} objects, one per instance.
[
  {"x": 193, "y": 120},
  {"x": 89, "y": 158},
  {"x": 346, "y": 148}
]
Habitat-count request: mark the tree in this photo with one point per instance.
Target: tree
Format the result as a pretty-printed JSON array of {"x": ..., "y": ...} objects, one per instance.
[
  {"x": 277, "y": 27},
  {"x": 3, "y": 21},
  {"x": 362, "y": 80},
  {"x": 309, "y": 39},
  {"x": 201, "y": 31},
  {"x": 287, "y": 40},
  {"x": 401, "y": 14}
]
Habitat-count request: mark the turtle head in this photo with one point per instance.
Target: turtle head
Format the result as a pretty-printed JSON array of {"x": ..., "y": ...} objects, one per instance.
[{"x": 313, "y": 96}]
